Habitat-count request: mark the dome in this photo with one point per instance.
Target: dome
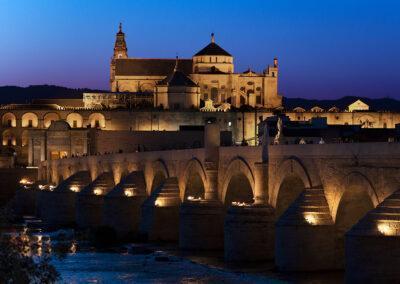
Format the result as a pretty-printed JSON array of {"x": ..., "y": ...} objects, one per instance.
[{"x": 213, "y": 49}]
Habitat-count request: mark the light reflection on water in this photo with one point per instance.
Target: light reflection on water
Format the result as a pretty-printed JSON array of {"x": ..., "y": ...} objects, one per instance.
[{"x": 90, "y": 267}]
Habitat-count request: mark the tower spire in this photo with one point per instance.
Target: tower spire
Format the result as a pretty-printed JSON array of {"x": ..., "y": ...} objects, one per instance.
[
  {"x": 176, "y": 64},
  {"x": 120, "y": 48},
  {"x": 212, "y": 38}
]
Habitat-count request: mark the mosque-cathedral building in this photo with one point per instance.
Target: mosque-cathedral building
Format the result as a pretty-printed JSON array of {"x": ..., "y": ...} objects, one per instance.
[{"x": 178, "y": 94}]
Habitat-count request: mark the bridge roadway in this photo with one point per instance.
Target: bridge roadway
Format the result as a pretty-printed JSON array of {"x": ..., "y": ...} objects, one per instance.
[{"x": 309, "y": 207}]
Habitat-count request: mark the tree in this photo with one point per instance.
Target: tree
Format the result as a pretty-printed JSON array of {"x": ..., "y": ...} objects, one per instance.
[{"x": 19, "y": 260}]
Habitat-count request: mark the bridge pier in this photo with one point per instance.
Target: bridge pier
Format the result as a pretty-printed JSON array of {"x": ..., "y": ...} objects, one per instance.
[
  {"x": 59, "y": 205},
  {"x": 201, "y": 225},
  {"x": 249, "y": 233},
  {"x": 202, "y": 222},
  {"x": 122, "y": 205},
  {"x": 249, "y": 230},
  {"x": 372, "y": 245},
  {"x": 25, "y": 200},
  {"x": 305, "y": 234},
  {"x": 90, "y": 201},
  {"x": 160, "y": 213}
]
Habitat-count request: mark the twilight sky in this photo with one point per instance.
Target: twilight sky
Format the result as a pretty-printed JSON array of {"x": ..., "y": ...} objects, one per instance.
[{"x": 326, "y": 49}]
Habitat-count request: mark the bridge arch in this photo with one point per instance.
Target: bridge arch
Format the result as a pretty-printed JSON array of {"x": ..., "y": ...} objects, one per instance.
[
  {"x": 291, "y": 166},
  {"x": 194, "y": 180},
  {"x": 357, "y": 197},
  {"x": 157, "y": 172},
  {"x": 291, "y": 178},
  {"x": 238, "y": 183}
]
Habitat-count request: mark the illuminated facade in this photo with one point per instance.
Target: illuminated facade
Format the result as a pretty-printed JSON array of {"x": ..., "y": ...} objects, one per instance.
[{"x": 182, "y": 83}]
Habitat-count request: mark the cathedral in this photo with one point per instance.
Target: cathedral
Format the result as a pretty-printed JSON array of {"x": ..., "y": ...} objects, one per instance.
[{"x": 183, "y": 83}]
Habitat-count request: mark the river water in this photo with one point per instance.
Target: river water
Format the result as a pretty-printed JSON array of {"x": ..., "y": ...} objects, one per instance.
[{"x": 155, "y": 263}]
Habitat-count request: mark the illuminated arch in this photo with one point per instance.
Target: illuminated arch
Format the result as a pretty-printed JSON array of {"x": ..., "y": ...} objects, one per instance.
[
  {"x": 193, "y": 166},
  {"x": 49, "y": 118},
  {"x": 75, "y": 120},
  {"x": 156, "y": 174},
  {"x": 291, "y": 166},
  {"x": 30, "y": 119},
  {"x": 97, "y": 120},
  {"x": 237, "y": 166},
  {"x": 9, "y": 120},
  {"x": 9, "y": 138}
]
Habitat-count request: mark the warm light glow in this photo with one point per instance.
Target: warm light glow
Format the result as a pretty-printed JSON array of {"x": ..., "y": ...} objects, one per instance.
[
  {"x": 158, "y": 203},
  {"x": 310, "y": 219},
  {"x": 386, "y": 229},
  {"x": 98, "y": 191},
  {"x": 128, "y": 192},
  {"x": 240, "y": 204},
  {"x": 74, "y": 188},
  {"x": 25, "y": 181},
  {"x": 192, "y": 198},
  {"x": 52, "y": 187}
]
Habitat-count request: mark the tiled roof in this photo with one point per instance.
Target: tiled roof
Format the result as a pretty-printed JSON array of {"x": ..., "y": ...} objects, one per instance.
[
  {"x": 150, "y": 67},
  {"x": 178, "y": 78},
  {"x": 212, "y": 49}
]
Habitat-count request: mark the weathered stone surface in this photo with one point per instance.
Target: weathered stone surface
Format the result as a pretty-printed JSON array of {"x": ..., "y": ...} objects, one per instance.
[
  {"x": 305, "y": 234},
  {"x": 25, "y": 200},
  {"x": 160, "y": 212},
  {"x": 122, "y": 206},
  {"x": 90, "y": 201},
  {"x": 201, "y": 225},
  {"x": 249, "y": 233},
  {"x": 373, "y": 245},
  {"x": 59, "y": 205}
]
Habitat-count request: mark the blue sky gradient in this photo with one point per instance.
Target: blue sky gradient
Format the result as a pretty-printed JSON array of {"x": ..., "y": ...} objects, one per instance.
[{"x": 326, "y": 49}]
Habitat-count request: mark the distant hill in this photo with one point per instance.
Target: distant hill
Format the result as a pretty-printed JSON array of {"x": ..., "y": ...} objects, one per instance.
[
  {"x": 382, "y": 104},
  {"x": 14, "y": 94}
]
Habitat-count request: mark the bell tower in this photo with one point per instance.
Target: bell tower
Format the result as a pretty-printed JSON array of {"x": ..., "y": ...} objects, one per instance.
[{"x": 120, "y": 52}]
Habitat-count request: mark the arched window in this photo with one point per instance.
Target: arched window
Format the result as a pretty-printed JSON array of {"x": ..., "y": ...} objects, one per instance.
[
  {"x": 9, "y": 120},
  {"x": 49, "y": 118},
  {"x": 97, "y": 120},
  {"x": 75, "y": 120},
  {"x": 30, "y": 120}
]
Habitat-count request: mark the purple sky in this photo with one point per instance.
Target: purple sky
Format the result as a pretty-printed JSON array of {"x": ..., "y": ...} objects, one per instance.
[{"x": 326, "y": 49}]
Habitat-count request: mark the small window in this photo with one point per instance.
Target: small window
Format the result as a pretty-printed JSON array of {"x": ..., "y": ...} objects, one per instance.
[
  {"x": 75, "y": 124},
  {"x": 258, "y": 100},
  {"x": 96, "y": 123},
  {"x": 9, "y": 123},
  {"x": 30, "y": 123},
  {"x": 205, "y": 97}
]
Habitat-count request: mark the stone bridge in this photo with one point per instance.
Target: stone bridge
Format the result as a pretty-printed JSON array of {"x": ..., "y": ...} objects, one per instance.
[{"x": 300, "y": 204}]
